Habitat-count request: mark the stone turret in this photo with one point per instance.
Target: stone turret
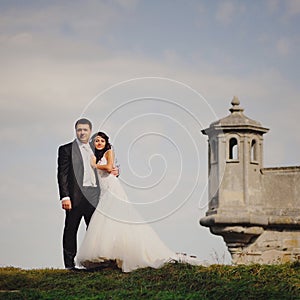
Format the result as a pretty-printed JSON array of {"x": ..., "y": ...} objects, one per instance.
[{"x": 256, "y": 210}]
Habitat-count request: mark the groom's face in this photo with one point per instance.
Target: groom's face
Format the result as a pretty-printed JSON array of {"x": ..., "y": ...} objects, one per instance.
[{"x": 83, "y": 133}]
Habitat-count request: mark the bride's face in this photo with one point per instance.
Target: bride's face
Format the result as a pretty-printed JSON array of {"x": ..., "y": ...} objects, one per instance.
[{"x": 99, "y": 143}]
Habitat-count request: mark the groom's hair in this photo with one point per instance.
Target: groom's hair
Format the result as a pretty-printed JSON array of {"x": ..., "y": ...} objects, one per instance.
[{"x": 83, "y": 121}]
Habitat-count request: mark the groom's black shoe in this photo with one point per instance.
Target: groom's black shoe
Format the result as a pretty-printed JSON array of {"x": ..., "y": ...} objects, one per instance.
[{"x": 74, "y": 269}]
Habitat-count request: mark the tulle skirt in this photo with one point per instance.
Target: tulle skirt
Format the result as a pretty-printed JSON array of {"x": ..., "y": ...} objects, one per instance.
[{"x": 114, "y": 234}]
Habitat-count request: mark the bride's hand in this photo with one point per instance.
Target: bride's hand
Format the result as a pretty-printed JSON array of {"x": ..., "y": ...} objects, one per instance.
[
  {"x": 115, "y": 171},
  {"x": 93, "y": 161}
]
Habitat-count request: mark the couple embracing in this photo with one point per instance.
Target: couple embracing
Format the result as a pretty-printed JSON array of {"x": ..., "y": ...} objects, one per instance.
[{"x": 89, "y": 188}]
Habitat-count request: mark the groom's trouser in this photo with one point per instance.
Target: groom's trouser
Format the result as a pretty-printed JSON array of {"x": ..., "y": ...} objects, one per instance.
[{"x": 85, "y": 209}]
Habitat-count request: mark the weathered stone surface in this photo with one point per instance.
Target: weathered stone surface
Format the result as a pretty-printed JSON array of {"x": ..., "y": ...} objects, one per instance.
[{"x": 271, "y": 247}]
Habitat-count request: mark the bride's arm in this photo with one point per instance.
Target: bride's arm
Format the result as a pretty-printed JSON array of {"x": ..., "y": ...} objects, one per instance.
[{"x": 109, "y": 155}]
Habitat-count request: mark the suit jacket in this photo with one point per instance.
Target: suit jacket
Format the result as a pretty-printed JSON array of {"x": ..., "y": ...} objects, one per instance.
[{"x": 70, "y": 172}]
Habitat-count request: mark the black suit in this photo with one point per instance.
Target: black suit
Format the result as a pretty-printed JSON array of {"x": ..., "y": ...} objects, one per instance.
[{"x": 84, "y": 199}]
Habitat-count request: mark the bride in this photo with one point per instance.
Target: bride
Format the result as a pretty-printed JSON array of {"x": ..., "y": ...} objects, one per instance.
[{"x": 107, "y": 238}]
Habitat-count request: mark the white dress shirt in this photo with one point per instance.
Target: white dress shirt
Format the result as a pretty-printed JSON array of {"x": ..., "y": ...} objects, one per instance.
[{"x": 89, "y": 178}]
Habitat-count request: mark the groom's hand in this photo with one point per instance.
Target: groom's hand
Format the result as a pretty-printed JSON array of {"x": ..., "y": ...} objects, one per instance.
[{"x": 66, "y": 204}]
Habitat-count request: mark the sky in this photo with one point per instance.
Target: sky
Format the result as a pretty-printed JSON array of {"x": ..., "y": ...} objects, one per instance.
[{"x": 152, "y": 75}]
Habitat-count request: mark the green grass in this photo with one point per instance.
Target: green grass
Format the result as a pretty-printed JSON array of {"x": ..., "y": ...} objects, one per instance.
[{"x": 173, "y": 281}]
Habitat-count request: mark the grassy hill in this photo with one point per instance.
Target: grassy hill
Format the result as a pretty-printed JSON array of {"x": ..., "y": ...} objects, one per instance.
[{"x": 174, "y": 281}]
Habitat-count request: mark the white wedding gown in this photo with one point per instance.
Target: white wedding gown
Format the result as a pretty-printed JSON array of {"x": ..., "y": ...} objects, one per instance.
[{"x": 113, "y": 235}]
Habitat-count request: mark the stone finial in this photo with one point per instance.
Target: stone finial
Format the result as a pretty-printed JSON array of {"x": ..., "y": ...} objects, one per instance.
[
  {"x": 235, "y": 101},
  {"x": 235, "y": 105}
]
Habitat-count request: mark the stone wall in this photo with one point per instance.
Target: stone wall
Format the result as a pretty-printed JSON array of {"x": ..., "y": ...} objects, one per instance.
[
  {"x": 271, "y": 247},
  {"x": 281, "y": 190}
]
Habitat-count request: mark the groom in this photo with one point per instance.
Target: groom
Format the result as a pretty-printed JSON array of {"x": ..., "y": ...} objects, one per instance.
[{"x": 78, "y": 187}]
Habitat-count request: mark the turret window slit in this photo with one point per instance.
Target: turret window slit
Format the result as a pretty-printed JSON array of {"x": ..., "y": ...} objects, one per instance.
[{"x": 233, "y": 149}]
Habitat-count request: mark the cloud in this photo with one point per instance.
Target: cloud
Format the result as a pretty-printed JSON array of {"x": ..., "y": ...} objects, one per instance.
[
  {"x": 283, "y": 46},
  {"x": 272, "y": 6},
  {"x": 227, "y": 11},
  {"x": 287, "y": 8},
  {"x": 47, "y": 86},
  {"x": 89, "y": 19},
  {"x": 129, "y": 4},
  {"x": 292, "y": 8}
]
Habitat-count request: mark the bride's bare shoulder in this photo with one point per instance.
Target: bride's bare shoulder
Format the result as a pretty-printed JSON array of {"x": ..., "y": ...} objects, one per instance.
[{"x": 109, "y": 153}]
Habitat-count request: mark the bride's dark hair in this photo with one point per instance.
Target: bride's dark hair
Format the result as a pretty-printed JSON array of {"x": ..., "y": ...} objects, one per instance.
[{"x": 99, "y": 153}]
